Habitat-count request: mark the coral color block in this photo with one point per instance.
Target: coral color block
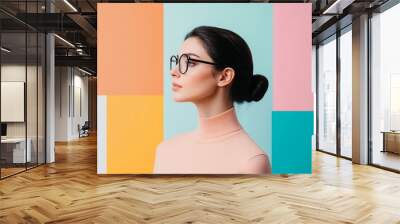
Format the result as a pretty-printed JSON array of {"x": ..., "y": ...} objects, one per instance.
[
  {"x": 292, "y": 57},
  {"x": 130, "y": 49},
  {"x": 135, "y": 128}
]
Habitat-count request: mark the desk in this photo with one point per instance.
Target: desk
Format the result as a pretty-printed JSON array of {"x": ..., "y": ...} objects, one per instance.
[
  {"x": 17, "y": 151},
  {"x": 391, "y": 141}
]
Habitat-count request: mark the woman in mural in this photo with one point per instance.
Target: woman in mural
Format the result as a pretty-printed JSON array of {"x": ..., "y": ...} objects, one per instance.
[{"x": 214, "y": 70}]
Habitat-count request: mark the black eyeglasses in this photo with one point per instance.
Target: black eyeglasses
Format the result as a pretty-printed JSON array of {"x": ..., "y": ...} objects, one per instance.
[{"x": 183, "y": 62}]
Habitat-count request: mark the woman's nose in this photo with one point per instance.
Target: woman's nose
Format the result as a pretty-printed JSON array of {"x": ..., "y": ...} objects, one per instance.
[{"x": 175, "y": 73}]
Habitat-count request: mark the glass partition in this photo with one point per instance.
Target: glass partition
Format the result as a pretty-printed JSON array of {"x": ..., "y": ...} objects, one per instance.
[
  {"x": 22, "y": 88},
  {"x": 13, "y": 104},
  {"x": 32, "y": 95}
]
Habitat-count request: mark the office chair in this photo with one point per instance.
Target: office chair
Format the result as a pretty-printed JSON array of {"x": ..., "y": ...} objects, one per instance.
[{"x": 84, "y": 130}]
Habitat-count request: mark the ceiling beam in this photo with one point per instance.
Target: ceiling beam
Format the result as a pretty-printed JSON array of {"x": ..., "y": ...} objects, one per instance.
[{"x": 85, "y": 25}]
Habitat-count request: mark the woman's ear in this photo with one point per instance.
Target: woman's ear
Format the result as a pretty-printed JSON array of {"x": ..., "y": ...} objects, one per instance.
[{"x": 225, "y": 77}]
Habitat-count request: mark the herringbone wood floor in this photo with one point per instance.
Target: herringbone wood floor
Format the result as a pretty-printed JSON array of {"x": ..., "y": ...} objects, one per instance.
[{"x": 70, "y": 191}]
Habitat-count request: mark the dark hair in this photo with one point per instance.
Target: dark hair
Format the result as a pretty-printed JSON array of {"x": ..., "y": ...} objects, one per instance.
[{"x": 227, "y": 49}]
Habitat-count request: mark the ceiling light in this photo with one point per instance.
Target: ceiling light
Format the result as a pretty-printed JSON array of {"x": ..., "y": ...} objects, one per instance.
[
  {"x": 5, "y": 50},
  {"x": 331, "y": 7},
  {"x": 70, "y": 5},
  {"x": 64, "y": 40},
  {"x": 84, "y": 71},
  {"x": 338, "y": 6}
]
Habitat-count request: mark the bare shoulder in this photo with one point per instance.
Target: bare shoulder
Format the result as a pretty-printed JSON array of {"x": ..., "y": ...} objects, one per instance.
[
  {"x": 168, "y": 150},
  {"x": 258, "y": 164},
  {"x": 172, "y": 142},
  {"x": 249, "y": 147},
  {"x": 255, "y": 160}
]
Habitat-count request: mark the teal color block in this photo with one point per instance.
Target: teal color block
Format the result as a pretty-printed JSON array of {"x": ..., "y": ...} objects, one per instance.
[
  {"x": 291, "y": 142},
  {"x": 253, "y": 22}
]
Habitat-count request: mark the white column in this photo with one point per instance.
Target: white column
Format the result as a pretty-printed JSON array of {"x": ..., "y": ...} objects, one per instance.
[
  {"x": 360, "y": 90},
  {"x": 50, "y": 92},
  {"x": 50, "y": 100}
]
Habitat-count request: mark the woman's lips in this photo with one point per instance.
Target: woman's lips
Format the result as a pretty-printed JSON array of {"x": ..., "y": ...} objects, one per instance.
[{"x": 176, "y": 86}]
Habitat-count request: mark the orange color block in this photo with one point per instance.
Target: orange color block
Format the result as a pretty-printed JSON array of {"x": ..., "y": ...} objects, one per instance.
[
  {"x": 134, "y": 129},
  {"x": 130, "y": 49}
]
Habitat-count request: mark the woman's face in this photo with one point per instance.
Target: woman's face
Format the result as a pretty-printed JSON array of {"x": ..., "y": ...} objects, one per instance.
[{"x": 199, "y": 82}]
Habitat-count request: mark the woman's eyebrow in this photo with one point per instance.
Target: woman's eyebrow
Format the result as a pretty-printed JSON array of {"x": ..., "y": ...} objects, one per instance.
[{"x": 193, "y": 54}]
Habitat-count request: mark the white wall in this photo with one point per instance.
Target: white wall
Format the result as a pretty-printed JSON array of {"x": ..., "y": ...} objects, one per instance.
[
  {"x": 70, "y": 83},
  {"x": 314, "y": 90},
  {"x": 9, "y": 73},
  {"x": 62, "y": 81},
  {"x": 16, "y": 72},
  {"x": 12, "y": 101},
  {"x": 80, "y": 83}
]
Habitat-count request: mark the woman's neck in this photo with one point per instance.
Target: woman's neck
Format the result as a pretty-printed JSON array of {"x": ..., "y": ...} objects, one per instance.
[
  {"x": 213, "y": 106},
  {"x": 219, "y": 125}
]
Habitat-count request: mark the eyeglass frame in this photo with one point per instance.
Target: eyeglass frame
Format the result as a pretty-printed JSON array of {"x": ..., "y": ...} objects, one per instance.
[{"x": 178, "y": 58}]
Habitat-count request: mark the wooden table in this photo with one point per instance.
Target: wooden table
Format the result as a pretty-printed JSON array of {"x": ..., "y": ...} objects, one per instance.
[
  {"x": 13, "y": 150},
  {"x": 391, "y": 141}
]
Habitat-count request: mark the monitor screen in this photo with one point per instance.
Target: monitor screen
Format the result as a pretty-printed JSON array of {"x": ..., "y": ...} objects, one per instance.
[{"x": 3, "y": 129}]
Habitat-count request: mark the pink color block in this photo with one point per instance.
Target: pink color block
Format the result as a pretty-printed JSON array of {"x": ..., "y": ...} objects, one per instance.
[
  {"x": 219, "y": 146},
  {"x": 292, "y": 87}
]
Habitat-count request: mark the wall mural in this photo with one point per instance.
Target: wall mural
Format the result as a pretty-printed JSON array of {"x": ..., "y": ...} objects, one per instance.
[{"x": 211, "y": 88}]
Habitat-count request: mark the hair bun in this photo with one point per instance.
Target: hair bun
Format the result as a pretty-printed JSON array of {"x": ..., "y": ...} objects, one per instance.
[{"x": 258, "y": 87}]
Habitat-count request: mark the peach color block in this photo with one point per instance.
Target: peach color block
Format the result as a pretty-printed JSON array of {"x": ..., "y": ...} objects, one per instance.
[
  {"x": 130, "y": 49},
  {"x": 134, "y": 129},
  {"x": 292, "y": 88}
]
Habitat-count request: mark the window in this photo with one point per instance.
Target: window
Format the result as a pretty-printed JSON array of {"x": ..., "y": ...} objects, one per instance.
[
  {"x": 346, "y": 75},
  {"x": 385, "y": 89},
  {"x": 327, "y": 95}
]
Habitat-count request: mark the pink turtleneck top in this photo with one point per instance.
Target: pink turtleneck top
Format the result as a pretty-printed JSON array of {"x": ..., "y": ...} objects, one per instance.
[{"x": 219, "y": 146}]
